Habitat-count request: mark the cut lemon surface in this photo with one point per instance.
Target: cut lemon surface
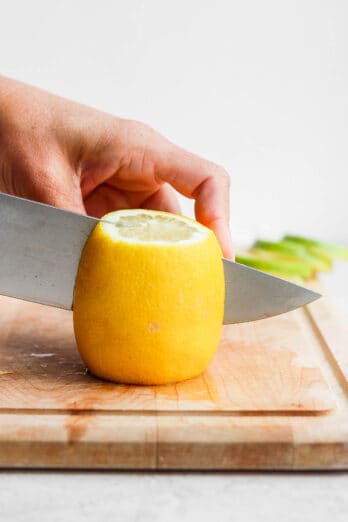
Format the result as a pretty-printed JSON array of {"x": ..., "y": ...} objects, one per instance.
[{"x": 149, "y": 298}]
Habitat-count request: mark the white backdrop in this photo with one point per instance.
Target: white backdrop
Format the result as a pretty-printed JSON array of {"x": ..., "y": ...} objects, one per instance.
[{"x": 260, "y": 86}]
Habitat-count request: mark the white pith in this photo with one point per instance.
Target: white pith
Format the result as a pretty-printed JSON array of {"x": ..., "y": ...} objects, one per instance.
[{"x": 150, "y": 227}]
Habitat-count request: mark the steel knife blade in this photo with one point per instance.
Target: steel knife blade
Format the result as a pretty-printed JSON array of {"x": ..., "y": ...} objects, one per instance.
[{"x": 40, "y": 249}]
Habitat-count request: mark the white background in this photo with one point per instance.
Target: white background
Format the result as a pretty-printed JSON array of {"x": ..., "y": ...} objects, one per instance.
[{"x": 258, "y": 86}]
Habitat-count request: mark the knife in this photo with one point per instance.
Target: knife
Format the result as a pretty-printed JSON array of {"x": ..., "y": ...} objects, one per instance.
[{"x": 40, "y": 249}]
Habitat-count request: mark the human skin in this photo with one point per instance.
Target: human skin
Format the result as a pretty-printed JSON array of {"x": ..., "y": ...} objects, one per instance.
[{"x": 71, "y": 156}]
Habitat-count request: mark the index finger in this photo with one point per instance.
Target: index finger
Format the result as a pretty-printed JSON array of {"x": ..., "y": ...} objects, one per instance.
[{"x": 208, "y": 184}]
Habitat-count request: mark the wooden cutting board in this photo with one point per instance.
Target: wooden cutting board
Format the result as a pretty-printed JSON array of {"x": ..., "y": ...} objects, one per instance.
[{"x": 275, "y": 397}]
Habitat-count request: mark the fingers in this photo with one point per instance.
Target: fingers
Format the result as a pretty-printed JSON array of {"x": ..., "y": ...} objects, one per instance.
[
  {"x": 163, "y": 199},
  {"x": 107, "y": 198},
  {"x": 146, "y": 162},
  {"x": 208, "y": 184},
  {"x": 212, "y": 209}
]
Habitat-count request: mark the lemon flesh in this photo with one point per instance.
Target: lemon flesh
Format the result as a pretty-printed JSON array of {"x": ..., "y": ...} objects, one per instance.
[{"x": 149, "y": 298}]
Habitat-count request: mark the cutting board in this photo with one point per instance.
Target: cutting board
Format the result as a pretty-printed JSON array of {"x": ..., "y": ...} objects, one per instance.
[{"x": 274, "y": 397}]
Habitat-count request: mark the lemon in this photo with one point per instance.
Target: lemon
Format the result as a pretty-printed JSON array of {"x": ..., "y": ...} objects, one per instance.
[{"x": 149, "y": 298}]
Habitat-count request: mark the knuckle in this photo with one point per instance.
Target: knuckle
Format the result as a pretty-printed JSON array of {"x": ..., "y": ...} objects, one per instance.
[
  {"x": 144, "y": 135},
  {"x": 139, "y": 129},
  {"x": 223, "y": 177}
]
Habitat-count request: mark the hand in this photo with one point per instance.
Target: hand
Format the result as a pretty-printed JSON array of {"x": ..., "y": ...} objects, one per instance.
[{"x": 74, "y": 157}]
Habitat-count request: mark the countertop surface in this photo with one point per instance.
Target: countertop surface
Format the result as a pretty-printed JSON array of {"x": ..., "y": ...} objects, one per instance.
[{"x": 151, "y": 496}]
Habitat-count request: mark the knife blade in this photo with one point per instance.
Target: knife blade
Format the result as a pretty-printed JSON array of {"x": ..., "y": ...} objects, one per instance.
[
  {"x": 40, "y": 249},
  {"x": 251, "y": 294}
]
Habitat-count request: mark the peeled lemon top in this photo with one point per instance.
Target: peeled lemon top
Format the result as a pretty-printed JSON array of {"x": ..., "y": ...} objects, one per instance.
[{"x": 151, "y": 227}]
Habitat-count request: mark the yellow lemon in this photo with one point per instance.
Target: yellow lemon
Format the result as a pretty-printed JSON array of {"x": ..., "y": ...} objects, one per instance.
[{"x": 149, "y": 298}]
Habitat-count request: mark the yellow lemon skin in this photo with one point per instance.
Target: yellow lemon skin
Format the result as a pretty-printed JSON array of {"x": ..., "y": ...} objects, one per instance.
[{"x": 148, "y": 313}]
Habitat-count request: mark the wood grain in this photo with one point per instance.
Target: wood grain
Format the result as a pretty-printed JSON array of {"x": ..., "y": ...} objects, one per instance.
[
  {"x": 332, "y": 329},
  {"x": 273, "y": 398}
]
